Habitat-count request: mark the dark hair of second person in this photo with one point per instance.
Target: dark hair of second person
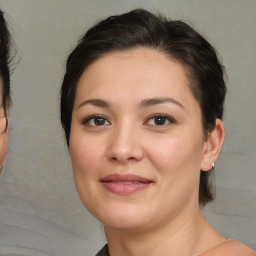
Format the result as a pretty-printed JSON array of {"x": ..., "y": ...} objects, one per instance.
[{"x": 5, "y": 59}]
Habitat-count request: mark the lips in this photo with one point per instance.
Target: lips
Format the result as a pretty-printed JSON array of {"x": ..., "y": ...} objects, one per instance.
[{"x": 125, "y": 184}]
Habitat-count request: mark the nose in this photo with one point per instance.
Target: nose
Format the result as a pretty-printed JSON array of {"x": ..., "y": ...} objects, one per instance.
[{"x": 124, "y": 145}]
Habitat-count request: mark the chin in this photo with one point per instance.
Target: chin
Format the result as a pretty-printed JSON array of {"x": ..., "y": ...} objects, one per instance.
[
  {"x": 124, "y": 223},
  {"x": 125, "y": 217}
]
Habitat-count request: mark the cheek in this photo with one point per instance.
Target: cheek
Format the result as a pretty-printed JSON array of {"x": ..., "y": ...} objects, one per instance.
[
  {"x": 178, "y": 155},
  {"x": 177, "y": 161},
  {"x": 86, "y": 155}
]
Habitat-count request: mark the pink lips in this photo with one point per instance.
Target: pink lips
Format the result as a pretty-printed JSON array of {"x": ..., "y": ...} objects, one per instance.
[{"x": 125, "y": 184}]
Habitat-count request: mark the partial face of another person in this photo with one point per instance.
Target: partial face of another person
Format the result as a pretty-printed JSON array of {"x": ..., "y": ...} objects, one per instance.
[
  {"x": 3, "y": 135},
  {"x": 137, "y": 144}
]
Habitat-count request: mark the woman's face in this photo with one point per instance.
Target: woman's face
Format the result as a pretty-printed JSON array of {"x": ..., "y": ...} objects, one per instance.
[
  {"x": 3, "y": 136},
  {"x": 136, "y": 140}
]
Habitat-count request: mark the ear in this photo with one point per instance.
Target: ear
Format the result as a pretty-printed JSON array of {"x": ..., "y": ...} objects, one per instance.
[{"x": 212, "y": 146}]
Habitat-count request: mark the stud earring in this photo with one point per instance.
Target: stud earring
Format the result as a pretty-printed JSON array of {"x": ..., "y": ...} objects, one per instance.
[{"x": 213, "y": 165}]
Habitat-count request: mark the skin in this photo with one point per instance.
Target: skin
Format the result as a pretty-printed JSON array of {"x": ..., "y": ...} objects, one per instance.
[
  {"x": 3, "y": 136},
  {"x": 166, "y": 215}
]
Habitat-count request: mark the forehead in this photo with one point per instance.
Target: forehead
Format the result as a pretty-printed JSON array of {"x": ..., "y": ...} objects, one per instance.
[{"x": 140, "y": 67}]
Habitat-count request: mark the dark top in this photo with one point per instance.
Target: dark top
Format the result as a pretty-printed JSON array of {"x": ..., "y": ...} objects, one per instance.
[{"x": 103, "y": 251}]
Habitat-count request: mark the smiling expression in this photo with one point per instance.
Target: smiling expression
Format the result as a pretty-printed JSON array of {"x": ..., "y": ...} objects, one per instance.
[{"x": 136, "y": 140}]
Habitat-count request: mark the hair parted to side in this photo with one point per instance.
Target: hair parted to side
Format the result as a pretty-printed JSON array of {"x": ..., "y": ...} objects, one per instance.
[
  {"x": 6, "y": 58},
  {"x": 176, "y": 39}
]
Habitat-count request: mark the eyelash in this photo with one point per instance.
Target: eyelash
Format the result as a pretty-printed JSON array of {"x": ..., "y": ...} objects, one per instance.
[
  {"x": 94, "y": 117},
  {"x": 167, "y": 118},
  {"x": 171, "y": 120}
]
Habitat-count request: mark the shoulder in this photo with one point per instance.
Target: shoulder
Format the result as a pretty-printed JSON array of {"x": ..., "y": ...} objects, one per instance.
[{"x": 230, "y": 248}]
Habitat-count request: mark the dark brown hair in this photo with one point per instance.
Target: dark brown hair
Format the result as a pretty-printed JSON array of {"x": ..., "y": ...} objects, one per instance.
[
  {"x": 179, "y": 41},
  {"x": 5, "y": 59}
]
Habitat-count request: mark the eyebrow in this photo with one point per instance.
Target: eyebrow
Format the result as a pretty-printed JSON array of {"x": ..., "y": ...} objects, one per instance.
[
  {"x": 143, "y": 104},
  {"x": 95, "y": 102},
  {"x": 155, "y": 101}
]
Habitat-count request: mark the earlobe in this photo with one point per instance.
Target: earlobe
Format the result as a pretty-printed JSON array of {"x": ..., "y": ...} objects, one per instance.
[{"x": 212, "y": 146}]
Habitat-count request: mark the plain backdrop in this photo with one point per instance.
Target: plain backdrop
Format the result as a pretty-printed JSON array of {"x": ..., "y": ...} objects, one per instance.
[{"x": 40, "y": 212}]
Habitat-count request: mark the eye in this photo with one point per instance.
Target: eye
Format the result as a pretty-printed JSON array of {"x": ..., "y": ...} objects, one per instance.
[
  {"x": 95, "y": 120},
  {"x": 160, "y": 120}
]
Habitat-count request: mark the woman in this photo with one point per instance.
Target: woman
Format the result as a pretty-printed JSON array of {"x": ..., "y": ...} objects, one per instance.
[
  {"x": 5, "y": 98},
  {"x": 141, "y": 106}
]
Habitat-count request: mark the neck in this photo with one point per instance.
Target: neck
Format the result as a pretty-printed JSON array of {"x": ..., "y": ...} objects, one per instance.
[{"x": 160, "y": 240}]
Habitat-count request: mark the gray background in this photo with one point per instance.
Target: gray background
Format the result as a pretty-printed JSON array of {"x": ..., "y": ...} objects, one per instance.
[{"x": 40, "y": 212}]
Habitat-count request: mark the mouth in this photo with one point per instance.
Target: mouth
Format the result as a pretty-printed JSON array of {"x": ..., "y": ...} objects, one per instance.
[{"x": 125, "y": 185}]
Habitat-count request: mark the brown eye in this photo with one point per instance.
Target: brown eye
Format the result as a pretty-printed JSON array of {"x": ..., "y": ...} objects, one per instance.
[
  {"x": 160, "y": 120},
  {"x": 96, "y": 121},
  {"x": 99, "y": 121}
]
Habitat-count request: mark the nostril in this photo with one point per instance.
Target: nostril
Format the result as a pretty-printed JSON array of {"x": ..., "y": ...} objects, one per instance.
[
  {"x": 113, "y": 158},
  {"x": 123, "y": 159},
  {"x": 131, "y": 158}
]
